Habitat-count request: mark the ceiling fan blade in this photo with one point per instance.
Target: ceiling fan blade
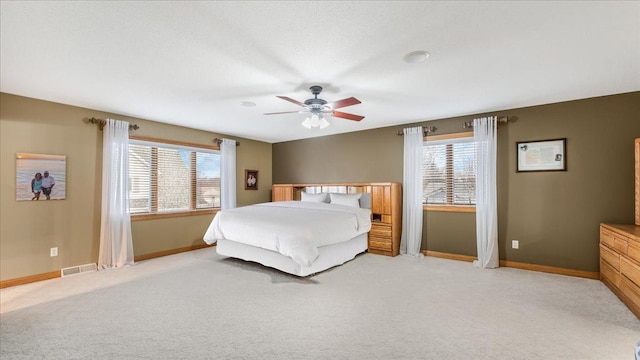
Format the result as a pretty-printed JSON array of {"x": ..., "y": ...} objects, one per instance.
[
  {"x": 344, "y": 103},
  {"x": 284, "y": 112},
  {"x": 347, "y": 116},
  {"x": 291, "y": 100}
]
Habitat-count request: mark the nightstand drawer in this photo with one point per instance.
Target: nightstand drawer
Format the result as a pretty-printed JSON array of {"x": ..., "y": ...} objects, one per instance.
[
  {"x": 383, "y": 231},
  {"x": 380, "y": 243}
]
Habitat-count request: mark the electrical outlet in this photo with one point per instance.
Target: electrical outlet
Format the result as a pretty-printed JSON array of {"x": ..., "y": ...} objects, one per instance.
[
  {"x": 515, "y": 244},
  {"x": 53, "y": 251}
]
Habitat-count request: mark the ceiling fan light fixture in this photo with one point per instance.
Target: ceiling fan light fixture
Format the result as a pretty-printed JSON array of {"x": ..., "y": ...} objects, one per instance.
[
  {"x": 307, "y": 123},
  {"x": 416, "y": 56},
  {"x": 315, "y": 121},
  {"x": 324, "y": 123}
]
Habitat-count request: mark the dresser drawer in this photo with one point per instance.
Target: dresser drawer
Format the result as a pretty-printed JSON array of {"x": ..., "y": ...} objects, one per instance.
[
  {"x": 620, "y": 244},
  {"x": 630, "y": 290},
  {"x": 606, "y": 238},
  {"x": 379, "y": 230},
  {"x": 610, "y": 273},
  {"x": 633, "y": 252},
  {"x": 610, "y": 257},
  {"x": 379, "y": 243},
  {"x": 630, "y": 270}
]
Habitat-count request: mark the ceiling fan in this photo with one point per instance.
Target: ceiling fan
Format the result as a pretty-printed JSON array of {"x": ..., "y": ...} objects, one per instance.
[{"x": 320, "y": 107}]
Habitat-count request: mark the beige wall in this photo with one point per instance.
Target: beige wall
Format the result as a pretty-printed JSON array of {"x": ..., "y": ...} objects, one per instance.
[
  {"x": 29, "y": 229},
  {"x": 555, "y": 215}
]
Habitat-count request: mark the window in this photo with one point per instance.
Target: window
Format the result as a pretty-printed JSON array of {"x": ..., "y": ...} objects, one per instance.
[
  {"x": 449, "y": 171},
  {"x": 169, "y": 178}
]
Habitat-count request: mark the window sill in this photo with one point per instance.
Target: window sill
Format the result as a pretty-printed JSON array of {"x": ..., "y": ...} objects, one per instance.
[
  {"x": 450, "y": 208},
  {"x": 140, "y": 217}
]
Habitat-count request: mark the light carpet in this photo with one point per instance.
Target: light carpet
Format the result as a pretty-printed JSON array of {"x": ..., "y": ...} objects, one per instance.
[{"x": 199, "y": 305}]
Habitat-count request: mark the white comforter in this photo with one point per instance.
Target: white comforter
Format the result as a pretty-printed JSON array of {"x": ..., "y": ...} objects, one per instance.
[{"x": 293, "y": 228}]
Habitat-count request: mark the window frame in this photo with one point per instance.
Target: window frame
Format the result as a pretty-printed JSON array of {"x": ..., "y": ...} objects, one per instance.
[
  {"x": 449, "y": 207},
  {"x": 191, "y": 212}
]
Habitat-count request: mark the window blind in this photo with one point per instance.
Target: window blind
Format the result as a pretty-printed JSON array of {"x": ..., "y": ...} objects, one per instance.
[
  {"x": 171, "y": 178},
  {"x": 449, "y": 168},
  {"x": 139, "y": 178}
]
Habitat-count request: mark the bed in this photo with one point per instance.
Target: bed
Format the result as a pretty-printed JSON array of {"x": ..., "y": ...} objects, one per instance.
[{"x": 296, "y": 237}]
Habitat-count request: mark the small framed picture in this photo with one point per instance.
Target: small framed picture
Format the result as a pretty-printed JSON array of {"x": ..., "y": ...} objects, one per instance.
[
  {"x": 542, "y": 155},
  {"x": 40, "y": 177},
  {"x": 251, "y": 179}
]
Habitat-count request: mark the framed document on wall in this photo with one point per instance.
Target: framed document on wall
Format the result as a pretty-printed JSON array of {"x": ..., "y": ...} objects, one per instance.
[{"x": 542, "y": 155}]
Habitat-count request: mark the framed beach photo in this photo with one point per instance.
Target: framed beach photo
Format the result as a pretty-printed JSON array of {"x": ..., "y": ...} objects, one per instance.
[
  {"x": 251, "y": 179},
  {"x": 542, "y": 155},
  {"x": 40, "y": 177}
]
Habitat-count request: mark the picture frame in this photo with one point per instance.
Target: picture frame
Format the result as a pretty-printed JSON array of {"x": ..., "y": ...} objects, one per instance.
[
  {"x": 40, "y": 177},
  {"x": 541, "y": 155},
  {"x": 251, "y": 179}
]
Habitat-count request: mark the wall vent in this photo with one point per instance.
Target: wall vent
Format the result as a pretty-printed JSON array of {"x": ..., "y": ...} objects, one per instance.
[{"x": 78, "y": 269}]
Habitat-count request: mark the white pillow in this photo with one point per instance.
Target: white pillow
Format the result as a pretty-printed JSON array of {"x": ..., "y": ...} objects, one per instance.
[
  {"x": 305, "y": 196},
  {"x": 352, "y": 200}
]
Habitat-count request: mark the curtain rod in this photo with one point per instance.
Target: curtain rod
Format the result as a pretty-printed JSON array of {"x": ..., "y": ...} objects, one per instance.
[
  {"x": 425, "y": 131},
  {"x": 101, "y": 123},
  {"x": 218, "y": 141},
  {"x": 501, "y": 119}
]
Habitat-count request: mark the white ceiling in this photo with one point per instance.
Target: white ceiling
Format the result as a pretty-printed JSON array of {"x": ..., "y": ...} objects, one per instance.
[{"x": 194, "y": 63}]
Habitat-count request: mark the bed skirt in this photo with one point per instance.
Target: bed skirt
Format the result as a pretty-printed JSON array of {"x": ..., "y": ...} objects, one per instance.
[{"x": 329, "y": 255}]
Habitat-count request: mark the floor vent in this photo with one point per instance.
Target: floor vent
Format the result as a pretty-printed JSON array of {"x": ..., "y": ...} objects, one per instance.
[{"x": 78, "y": 269}]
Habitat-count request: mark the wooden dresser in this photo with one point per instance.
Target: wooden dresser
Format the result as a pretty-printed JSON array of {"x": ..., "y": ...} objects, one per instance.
[
  {"x": 638, "y": 182},
  {"x": 386, "y": 209},
  {"x": 620, "y": 253},
  {"x": 620, "y": 262}
]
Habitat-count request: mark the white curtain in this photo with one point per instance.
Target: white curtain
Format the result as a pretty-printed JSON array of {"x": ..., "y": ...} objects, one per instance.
[
  {"x": 412, "y": 193},
  {"x": 116, "y": 242},
  {"x": 228, "y": 174},
  {"x": 485, "y": 137}
]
